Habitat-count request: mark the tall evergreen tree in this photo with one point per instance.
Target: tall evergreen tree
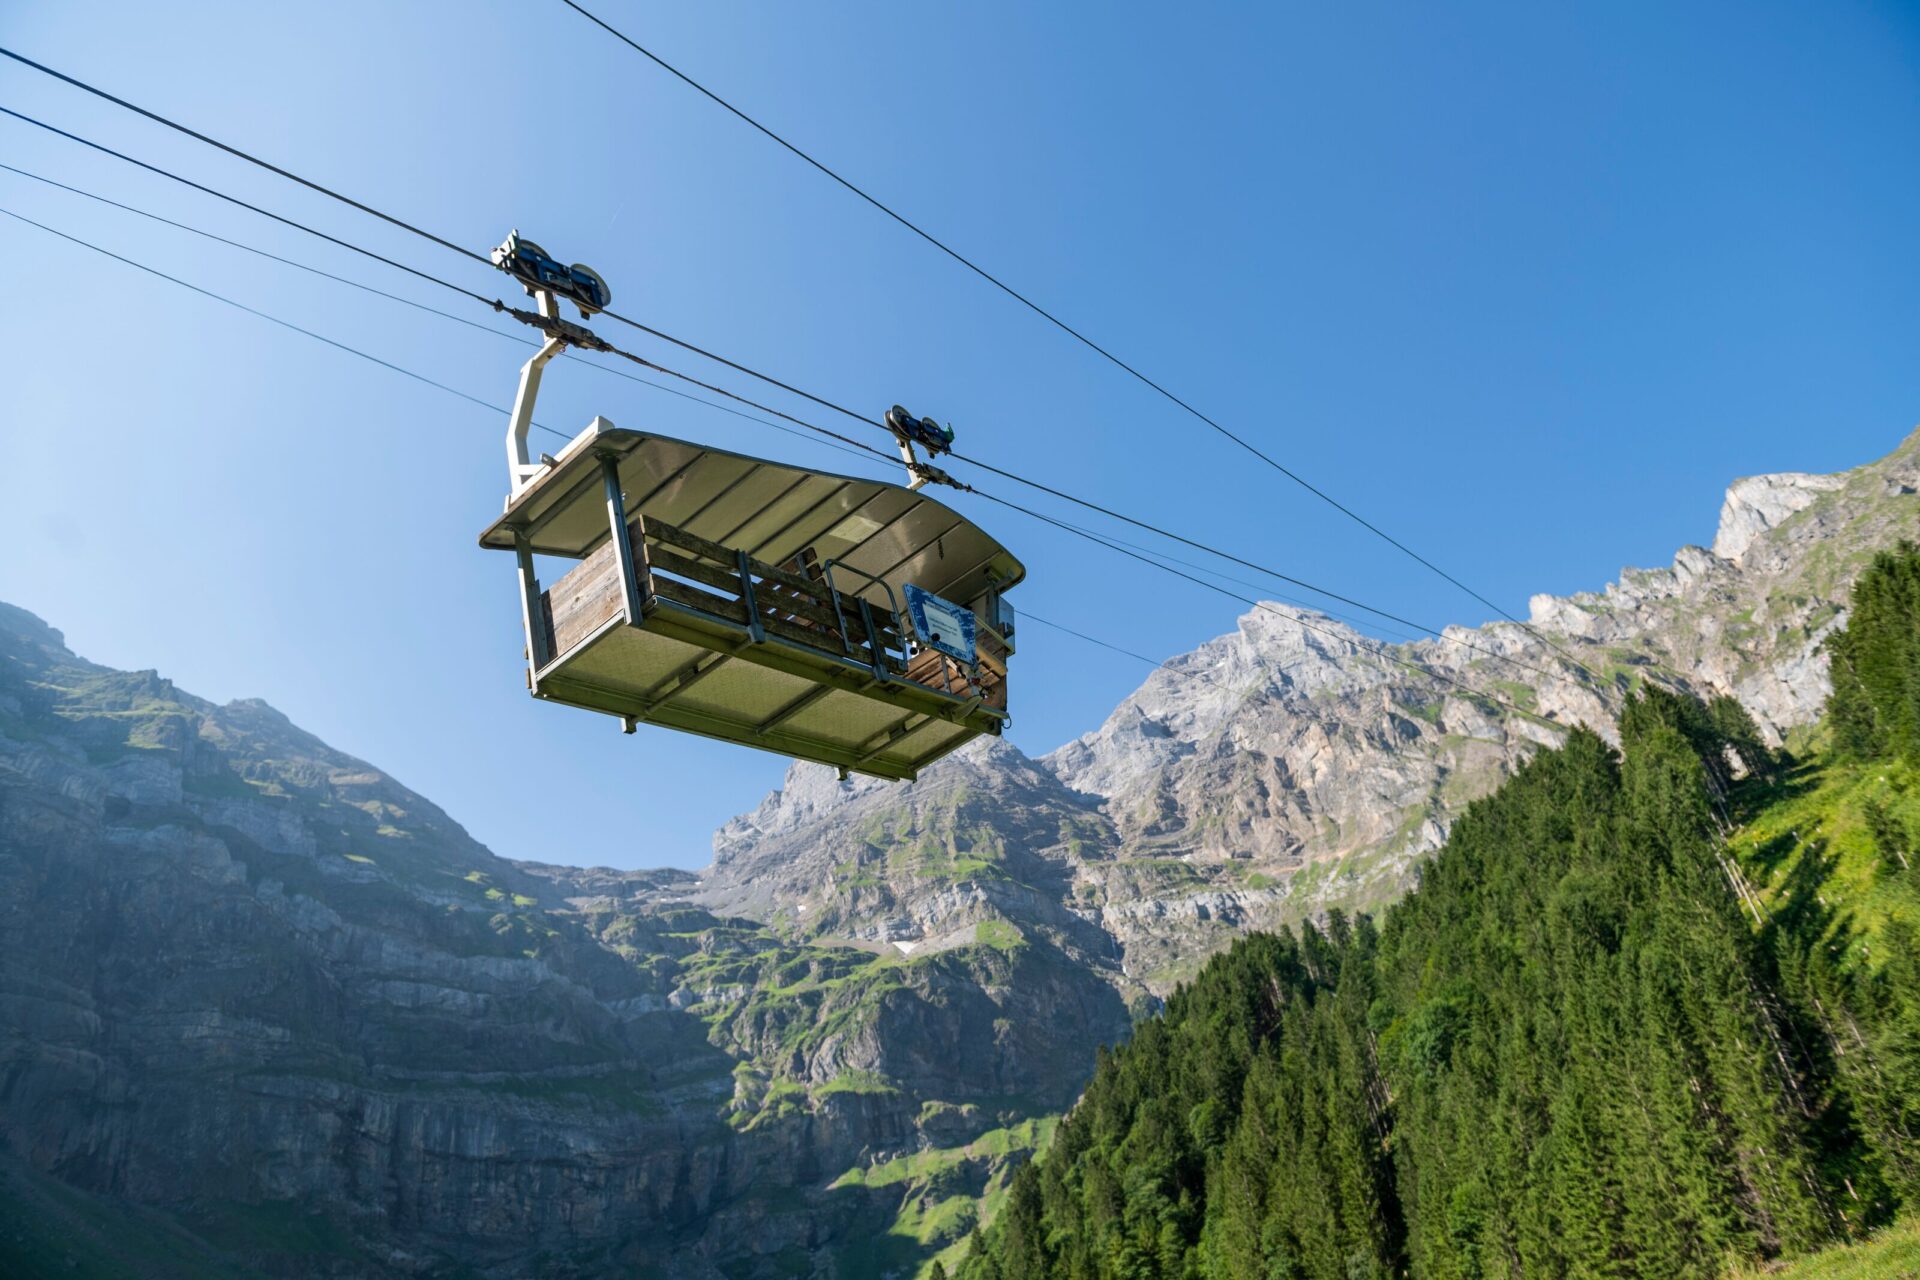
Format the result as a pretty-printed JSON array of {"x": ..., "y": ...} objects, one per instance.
[{"x": 1875, "y": 661}]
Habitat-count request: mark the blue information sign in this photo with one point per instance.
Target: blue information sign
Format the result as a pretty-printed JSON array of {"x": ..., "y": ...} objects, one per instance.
[{"x": 941, "y": 624}]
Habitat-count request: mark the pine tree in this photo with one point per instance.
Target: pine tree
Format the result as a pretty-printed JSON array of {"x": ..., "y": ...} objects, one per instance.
[
  {"x": 1890, "y": 837},
  {"x": 1874, "y": 709},
  {"x": 1736, "y": 728}
]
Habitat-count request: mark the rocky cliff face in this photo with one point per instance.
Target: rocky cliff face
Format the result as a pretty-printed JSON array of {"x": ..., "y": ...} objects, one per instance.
[
  {"x": 1291, "y": 765},
  {"x": 264, "y": 1010},
  {"x": 263, "y": 988}
]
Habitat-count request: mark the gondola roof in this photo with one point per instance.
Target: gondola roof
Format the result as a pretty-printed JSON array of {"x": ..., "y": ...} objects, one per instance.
[{"x": 771, "y": 510}]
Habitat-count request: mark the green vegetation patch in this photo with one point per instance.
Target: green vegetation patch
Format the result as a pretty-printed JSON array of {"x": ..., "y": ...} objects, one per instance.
[
  {"x": 998, "y": 934},
  {"x": 1893, "y": 1254}
]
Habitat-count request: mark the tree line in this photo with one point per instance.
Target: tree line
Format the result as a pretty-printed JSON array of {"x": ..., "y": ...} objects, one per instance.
[{"x": 1569, "y": 1052}]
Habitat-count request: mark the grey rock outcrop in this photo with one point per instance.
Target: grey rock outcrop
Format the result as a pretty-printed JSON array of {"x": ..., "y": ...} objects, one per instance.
[
  {"x": 1294, "y": 765},
  {"x": 1758, "y": 503}
]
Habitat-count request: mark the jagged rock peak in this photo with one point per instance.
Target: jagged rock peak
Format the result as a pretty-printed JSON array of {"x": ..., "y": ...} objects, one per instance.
[
  {"x": 1758, "y": 503},
  {"x": 1275, "y": 650},
  {"x": 29, "y": 627},
  {"x": 812, "y": 792}
]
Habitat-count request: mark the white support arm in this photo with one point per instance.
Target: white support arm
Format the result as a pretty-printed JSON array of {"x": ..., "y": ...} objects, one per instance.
[{"x": 520, "y": 469}]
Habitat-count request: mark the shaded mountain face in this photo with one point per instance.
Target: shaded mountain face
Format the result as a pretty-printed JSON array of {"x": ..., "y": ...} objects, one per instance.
[
  {"x": 292, "y": 1011},
  {"x": 263, "y": 989}
]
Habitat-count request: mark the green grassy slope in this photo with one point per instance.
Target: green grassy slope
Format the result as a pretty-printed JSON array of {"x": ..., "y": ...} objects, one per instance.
[{"x": 1893, "y": 1254}]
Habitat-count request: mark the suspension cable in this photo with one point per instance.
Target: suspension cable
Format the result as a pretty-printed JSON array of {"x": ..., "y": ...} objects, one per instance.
[
  {"x": 502, "y": 307},
  {"x": 197, "y": 136},
  {"x": 1357, "y": 641},
  {"x": 255, "y": 311},
  {"x": 1058, "y": 323},
  {"x": 254, "y": 208},
  {"x": 465, "y": 252}
]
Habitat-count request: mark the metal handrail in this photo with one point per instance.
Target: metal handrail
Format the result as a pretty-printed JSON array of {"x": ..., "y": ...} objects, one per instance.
[{"x": 873, "y": 639}]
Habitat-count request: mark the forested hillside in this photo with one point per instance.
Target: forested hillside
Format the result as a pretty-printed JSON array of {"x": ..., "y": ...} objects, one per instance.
[{"x": 1651, "y": 1012}]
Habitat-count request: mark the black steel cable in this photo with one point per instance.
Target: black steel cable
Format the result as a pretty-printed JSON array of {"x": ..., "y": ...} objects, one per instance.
[
  {"x": 849, "y": 441},
  {"x": 319, "y": 337},
  {"x": 274, "y": 257},
  {"x": 498, "y": 306},
  {"x": 1399, "y": 634},
  {"x": 1166, "y": 666},
  {"x": 1360, "y": 642},
  {"x": 862, "y": 450},
  {"x": 1436, "y": 632},
  {"x": 480, "y": 298},
  {"x": 254, "y": 311},
  {"x": 1056, "y": 321},
  {"x": 350, "y": 201},
  {"x": 235, "y": 200},
  {"x": 195, "y": 134},
  {"x": 767, "y": 378},
  {"x": 1158, "y": 530}
]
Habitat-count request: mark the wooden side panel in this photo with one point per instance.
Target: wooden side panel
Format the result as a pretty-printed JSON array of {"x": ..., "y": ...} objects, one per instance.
[
  {"x": 703, "y": 575},
  {"x": 583, "y": 600}
]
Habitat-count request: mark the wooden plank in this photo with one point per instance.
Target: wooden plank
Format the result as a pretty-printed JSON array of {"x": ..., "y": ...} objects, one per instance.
[
  {"x": 786, "y": 578},
  {"x": 661, "y": 531},
  {"x": 813, "y": 637},
  {"x": 727, "y": 556},
  {"x": 811, "y": 624},
  {"x": 781, "y": 603},
  {"x": 642, "y": 558},
  {"x": 584, "y": 599},
  {"x": 825, "y": 633},
  {"x": 665, "y": 561},
  {"x": 823, "y": 637},
  {"x": 792, "y": 610},
  {"x": 696, "y": 598},
  {"x": 931, "y": 668}
]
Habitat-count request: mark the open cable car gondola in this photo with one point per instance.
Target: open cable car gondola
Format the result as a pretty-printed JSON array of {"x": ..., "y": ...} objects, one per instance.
[{"x": 831, "y": 618}]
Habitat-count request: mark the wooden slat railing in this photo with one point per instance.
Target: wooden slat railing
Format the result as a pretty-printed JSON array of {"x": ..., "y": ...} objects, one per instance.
[{"x": 705, "y": 575}]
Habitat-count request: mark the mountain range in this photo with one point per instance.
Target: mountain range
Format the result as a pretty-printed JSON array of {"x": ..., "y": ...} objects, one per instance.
[{"x": 265, "y": 1010}]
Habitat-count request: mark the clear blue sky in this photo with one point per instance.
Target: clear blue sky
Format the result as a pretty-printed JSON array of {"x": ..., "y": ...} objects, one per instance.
[{"x": 1527, "y": 284}]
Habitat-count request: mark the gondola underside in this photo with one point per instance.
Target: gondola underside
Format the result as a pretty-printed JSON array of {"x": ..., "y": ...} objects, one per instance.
[{"x": 699, "y": 675}]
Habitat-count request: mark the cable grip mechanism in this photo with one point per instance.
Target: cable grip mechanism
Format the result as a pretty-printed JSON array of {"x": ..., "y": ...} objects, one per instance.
[
  {"x": 935, "y": 438},
  {"x": 548, "y": 282}
]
